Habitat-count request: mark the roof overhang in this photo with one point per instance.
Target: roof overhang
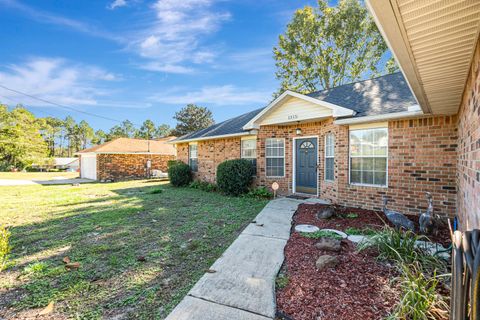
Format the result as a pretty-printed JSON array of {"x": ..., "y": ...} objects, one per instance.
[
  {"x": 433, "y": 43},
  {"x": 337, "y": 111}
]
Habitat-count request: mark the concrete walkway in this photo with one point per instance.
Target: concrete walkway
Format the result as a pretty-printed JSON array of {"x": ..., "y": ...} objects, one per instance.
[
  {"x": 25, "y": 182},
  {"x": 243, "y": 284}
]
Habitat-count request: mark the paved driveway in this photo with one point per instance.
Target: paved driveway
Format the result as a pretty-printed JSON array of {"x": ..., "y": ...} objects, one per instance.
[{"x": 12, "y": 182}]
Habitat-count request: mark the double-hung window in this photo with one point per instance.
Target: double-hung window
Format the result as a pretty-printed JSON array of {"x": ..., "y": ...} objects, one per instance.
[
  {"x": 329, "y": 157},
  {"x": 193, "y": 157},
  {"x": 275, "y": 157},
  {"x": 369, "y": 156},
  {"x": 249, "y": 152}
]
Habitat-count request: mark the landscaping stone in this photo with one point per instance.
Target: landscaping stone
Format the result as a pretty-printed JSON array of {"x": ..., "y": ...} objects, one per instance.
[
  {"x": 307, "y": 228},
  {"x": 326, "y": 261},
  {"x": 340, "y": 233},
  {"x": 329, "y": 244},
  {"x": 356, "y": 238},
  {"x": 325, "y": 213}
]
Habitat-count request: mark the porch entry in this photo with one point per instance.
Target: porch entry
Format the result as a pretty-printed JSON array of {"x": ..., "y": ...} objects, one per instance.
[{"x": 306, "y": 165}]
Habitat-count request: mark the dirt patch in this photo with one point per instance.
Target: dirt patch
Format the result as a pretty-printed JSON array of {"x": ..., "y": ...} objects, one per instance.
[{"x": 359, "y": 287}]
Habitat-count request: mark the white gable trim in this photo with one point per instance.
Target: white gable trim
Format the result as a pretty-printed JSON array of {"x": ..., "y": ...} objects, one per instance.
[{"x": 337, "y": 111}]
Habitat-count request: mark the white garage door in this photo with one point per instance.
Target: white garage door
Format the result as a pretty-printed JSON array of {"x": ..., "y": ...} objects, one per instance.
[{"x": 88, "y": 167}]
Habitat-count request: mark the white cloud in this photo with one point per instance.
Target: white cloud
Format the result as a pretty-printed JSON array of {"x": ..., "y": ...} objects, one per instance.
[
  {"x": 174, "y": 40},
  {"x": 226, "y": 95},
  {"x": 56, "y": 80},
  {"x": 117, "y": 4}
]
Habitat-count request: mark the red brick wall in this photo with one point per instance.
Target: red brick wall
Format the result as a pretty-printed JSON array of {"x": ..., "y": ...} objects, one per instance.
[
  {"x": 210, "y": 154},
  {"x": 468, "y": 164},
  {"x": 422, "y": 157},
  {"x": 129, "y": 166}
]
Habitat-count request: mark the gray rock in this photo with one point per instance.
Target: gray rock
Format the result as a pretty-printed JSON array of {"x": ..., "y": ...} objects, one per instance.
[
  {"x": 326, "y": 213},
  {"x": 329, "y": 244},
  {"x": 308, "y": 228},
  {"x": 326, "y": 261},
  {"x": 356, "y": 238}
]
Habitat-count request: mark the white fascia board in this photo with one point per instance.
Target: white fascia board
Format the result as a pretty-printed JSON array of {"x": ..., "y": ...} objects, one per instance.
[
  {"x": 380, "y": 117},
  {"x": 240, "y": 134},
  {"x": 337, "y": 111}
]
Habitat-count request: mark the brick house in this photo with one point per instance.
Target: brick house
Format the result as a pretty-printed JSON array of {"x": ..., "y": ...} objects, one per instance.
[
  {"x": 125, "y": 159},
  {"x": 398, "y": 135}
]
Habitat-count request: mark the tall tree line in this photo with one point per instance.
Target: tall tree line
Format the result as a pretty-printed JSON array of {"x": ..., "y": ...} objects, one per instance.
[{"x": 26, "y": 139}]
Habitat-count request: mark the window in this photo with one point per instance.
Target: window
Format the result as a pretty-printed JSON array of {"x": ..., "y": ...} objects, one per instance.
[
  {"x": 275, "y": 156},
  {"x": 369, "y": 156},
  {"x": 329, "y": 157},
  {"x": 193, "y": 157},
  {"x": 249, "y": 152}
]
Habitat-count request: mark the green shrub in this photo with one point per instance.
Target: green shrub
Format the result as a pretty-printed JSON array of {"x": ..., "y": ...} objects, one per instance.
[
  {"x": 4, "y": 246},
  {"x": 180, "y": 174},
  {"x": 420, "y": 299},
  {"x": 173, "y": 162},
  {"x": 363, "y": 231},
  {"x": 281, "y": 281},
  {"x": 321, "y": 234},
  {"x": 260, "y": 193},
  {"x": 400, "y": 247},
  {"x": 234, "y": 177},
  {"x": 203, "y": 185}
]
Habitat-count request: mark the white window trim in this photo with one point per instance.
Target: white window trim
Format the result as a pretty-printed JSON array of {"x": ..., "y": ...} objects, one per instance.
[
  {"x": 284, "y": 164},
  {"x": 190, "y": 154},
  {"x": 333, "y": 157},
  {"x": 241, "y": 148},
  {"x": 350, "y": 159}
]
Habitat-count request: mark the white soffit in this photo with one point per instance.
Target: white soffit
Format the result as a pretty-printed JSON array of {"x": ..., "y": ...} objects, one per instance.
[{"x": 433, "y": 41}]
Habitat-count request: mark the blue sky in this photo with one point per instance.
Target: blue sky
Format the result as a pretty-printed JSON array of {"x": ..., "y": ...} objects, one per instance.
[{"x": 139, "y": 59}]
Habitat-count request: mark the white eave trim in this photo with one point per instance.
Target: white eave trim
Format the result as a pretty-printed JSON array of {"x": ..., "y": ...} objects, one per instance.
[
  {"x": 380, "y": 117},
  {"x": 232, "y": 135},
  {"x": 337, "y": 110}
]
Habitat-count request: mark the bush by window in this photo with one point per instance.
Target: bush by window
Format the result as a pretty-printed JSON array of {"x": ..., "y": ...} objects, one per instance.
[
  {"x": 234, "y": 177},
  {"x": 180, "y": 174}
]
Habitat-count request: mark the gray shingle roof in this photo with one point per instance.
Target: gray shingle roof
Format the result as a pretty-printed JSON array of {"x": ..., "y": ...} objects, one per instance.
[
  {"x": 386, "y": 94},
  {"x": 230, "y": 126},
  {"x": 382, "y": 95}
]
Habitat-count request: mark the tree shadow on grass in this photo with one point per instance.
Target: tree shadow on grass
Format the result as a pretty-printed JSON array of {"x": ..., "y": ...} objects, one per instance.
[{"x": 139, "y": 252}]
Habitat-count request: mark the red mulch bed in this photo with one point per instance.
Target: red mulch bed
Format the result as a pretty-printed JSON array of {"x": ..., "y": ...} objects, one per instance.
[{"x": 358, "y": 288}]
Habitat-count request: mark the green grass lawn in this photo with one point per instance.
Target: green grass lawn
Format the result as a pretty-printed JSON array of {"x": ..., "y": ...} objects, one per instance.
[
  {"x": 105, "y": 227},
  {"x": 37, "y": 175}
]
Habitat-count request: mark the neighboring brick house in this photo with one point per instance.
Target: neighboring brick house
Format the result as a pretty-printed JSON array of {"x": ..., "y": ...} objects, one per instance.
[{"x": 125, "y": 159}]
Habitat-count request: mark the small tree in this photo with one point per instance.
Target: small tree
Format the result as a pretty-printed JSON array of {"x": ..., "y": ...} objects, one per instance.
[
  {"x": 324, "y": 47},
  {"x": 192, "y": 118}
]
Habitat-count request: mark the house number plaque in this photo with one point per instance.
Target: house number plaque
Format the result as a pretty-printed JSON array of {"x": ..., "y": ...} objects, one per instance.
[{"x": 292, "y": 117}]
